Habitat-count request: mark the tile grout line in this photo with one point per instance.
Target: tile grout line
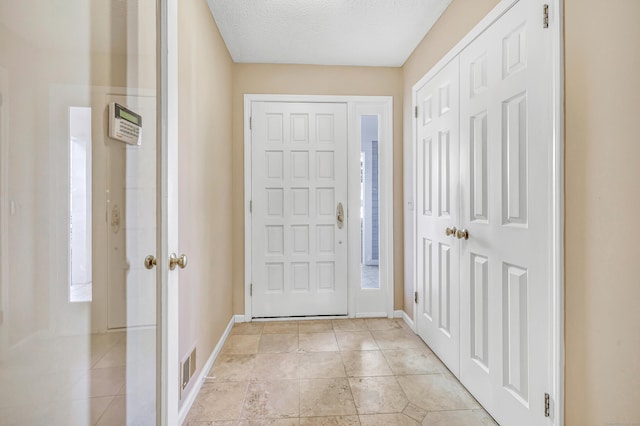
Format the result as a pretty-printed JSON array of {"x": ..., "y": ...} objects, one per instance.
[
  {"x": 340, "y": 352},
  {"x": 105, "y": 410},
  {"x": 353, "y": 398},
  {"x": 299, "y": 381},
  {"x": 246, "y": 390}
]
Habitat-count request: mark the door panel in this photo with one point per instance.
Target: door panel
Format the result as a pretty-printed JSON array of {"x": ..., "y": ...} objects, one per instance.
[
  {"x": 131, "y": 211},
  {"x": 438, "y": 193},
  {"x": 59, "y": 365},
  {"x": 505, "y": 180},
  {"x": 299, "y": 177}
]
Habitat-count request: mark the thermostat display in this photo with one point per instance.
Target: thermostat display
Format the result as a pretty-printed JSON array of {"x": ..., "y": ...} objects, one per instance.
[{"x": 124, "y": 124}]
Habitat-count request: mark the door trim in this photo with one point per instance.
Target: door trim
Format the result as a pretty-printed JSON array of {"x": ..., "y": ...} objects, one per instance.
[
  {"x": 167, "y": 298},
  {"x": 556, "y": 19},
  {"x": 385, "y": 103},
  {"x": 365, "y": 303},
  {"x": 556, "y": 302},
  {"x": 4, "y": 205}
]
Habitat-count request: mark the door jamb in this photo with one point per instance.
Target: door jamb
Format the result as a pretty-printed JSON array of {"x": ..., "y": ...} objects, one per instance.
[
  {"x": 556, "y": 331},
  {"x": 4, "y": 205},
  {"x": 167, "y": 298},
  {"x": 386, "y": 184}
]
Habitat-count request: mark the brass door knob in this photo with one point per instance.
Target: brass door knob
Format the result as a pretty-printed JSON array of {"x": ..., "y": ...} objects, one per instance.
[
  {"x": 177, "y": 261},
  {"x": 462, "y": 234},
  {"x": 450, "y": 231},
  {"x": 150, "y": 261},
  {"x": 340, "y": 215}
]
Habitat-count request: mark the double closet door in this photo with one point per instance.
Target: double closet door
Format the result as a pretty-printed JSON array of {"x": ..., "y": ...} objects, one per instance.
[{"x": 484, "y": 188}]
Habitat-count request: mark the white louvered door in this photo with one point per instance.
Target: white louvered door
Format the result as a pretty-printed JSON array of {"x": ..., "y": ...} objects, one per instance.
[
  {"x": 506, "y": 169},
  {"x": 437, "y": 209},
  {"x": 299, "y": 177}
]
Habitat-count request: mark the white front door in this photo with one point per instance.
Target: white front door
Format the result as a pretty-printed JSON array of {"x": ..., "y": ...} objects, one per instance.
[
  {"x": 437, "y": 189},
  {"x": 131, "y": 224},
  {"x": 299, "y": 184},
  {"x": 506, "y": 169}
]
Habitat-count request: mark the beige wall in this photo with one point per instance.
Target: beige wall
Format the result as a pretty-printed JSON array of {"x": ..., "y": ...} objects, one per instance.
[
  {"x": 50, "y": 58},
  {"x": 205, "y": 75},
  {"x": 601, "y": 193},
  {"x": 315, "y": 80}
]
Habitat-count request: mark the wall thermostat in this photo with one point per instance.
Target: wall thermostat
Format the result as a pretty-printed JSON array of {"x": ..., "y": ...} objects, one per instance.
[{"x": 124, "y": 124}]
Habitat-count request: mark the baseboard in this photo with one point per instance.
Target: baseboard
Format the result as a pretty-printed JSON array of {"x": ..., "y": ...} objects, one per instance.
[
  {"x": 372, "y": 315},
  {"x": 193, "y": 393},
  {"x": 398, "y": 314},
  {"x": 239, "y": 318},
  {"x": 408, "y": 321}
]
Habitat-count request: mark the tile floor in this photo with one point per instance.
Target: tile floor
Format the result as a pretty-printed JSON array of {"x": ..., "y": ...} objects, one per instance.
[
  {"x": 80, "y": 380},
  {"x": 331, "y": 372}
]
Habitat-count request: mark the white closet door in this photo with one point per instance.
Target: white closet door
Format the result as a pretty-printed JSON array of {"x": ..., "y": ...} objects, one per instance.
[
  {"x": 505, "y": 275},
  {"x": 299, "y": 177},
  {"x": 437, "y": 186}
]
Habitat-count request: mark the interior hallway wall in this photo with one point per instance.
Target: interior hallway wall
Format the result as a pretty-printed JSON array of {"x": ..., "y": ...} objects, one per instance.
[
  {"x": 602, "y": 93},
  {"x": 602, "y": 89},
  {"x": 312, "y": 80},
  {"x": 205, "y": 78},
  {"x": 64, "y": 49}
]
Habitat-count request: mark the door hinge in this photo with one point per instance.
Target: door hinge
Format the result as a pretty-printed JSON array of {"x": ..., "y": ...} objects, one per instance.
[
  {"x": 250, "y": 123},
  {"x": 415, "y": 111},
  {"x": 250, "y": 206},
  {"x": 545, "y": 16},
  {"x": 415, "y": 296},
  {"x": 547, "y": 405},
  {"x": 250, "y": 289}
]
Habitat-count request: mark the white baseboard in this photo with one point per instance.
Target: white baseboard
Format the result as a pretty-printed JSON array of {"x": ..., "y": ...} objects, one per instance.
[
  {"x": 239, "y": 318},
  {"x": 372, "y": 315},
  {"x": 409, "y": 321},
  {"x": 193, "y": 393},
  {"x": 398, "y": 314},
  {"x": 323, "y": 318}
]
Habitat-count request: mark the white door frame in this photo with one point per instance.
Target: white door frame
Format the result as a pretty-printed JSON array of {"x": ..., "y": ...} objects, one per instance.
[
  {"x": 356, "y": 106},
  {"x": 4, "y": 205},
  {"x": 556, "y": 301},
  {"x": 167, "y": 298}
]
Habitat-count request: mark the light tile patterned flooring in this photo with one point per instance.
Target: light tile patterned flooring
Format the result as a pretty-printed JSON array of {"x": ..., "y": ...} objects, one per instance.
[
  {"x": 80, "y": 380},
  {"x": 331, "y": 372}
]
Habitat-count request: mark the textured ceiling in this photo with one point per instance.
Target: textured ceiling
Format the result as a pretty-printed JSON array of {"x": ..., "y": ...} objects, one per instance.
[{"x": 325, "y": 32}]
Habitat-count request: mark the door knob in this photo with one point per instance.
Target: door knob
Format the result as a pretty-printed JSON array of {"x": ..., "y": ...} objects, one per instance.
[
  {"x": 450, "y": 231},
  {"x": 340, "y": 215},
  {"x": 150, "y": 261},
  {"x": 462, "y": 233},
  {"x": 179, "y": 261}
]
